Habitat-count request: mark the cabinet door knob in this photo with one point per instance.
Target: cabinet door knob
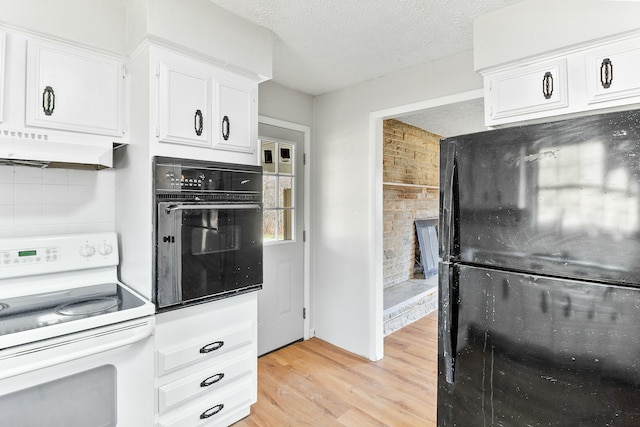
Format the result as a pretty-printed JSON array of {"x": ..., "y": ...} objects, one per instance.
[
  {"x": 547, "y": 85},
  {"x": 198, "y": 123},
  {"x": 226, "y": 128},
  {"x": 606, "y": 73},
  {"x": 48, "y": 100}
]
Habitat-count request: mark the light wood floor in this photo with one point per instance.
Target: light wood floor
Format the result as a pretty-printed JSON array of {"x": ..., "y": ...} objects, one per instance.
[{"x": 313, "y": 383}]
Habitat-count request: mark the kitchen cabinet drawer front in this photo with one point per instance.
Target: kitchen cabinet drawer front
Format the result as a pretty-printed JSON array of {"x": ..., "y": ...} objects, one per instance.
[
  {"x": 220, "y": 408},
  {"x": 526, "y": 90},
  {"x": 613, "y": 72},
  {"x": 208, "y": 346},
  {"x": 237, "y": 117},
  {"x": 184, "y": 103},
  {"x": 211, "y": 378},
  {"x": 73, "y": 90}
]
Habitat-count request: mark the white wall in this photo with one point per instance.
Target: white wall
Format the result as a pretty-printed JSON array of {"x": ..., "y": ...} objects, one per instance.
[
  {"x": 96, "y": 23},
  {"x": 345, "y": 212},
  {"x": 202, "y": 27},
  {"x": 533, "y": 27},
  {"x": 280, "y": 102}
]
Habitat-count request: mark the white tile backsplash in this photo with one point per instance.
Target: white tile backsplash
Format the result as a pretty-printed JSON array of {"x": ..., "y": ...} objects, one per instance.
[
  {"x": 37, "y": 201},
  {"x": 28, "y": 194},
  {"x": 6, "y": 174},
  {"x": 28, "y": 175}
]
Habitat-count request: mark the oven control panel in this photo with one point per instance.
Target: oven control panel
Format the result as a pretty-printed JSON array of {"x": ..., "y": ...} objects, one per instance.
[
  {"x": 30, "y": 256},
  {"x": 27, "y": 256}
]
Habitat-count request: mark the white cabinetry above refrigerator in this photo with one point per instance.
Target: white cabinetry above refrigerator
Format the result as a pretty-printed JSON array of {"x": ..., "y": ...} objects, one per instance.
[{"x": 594, "y": 76}]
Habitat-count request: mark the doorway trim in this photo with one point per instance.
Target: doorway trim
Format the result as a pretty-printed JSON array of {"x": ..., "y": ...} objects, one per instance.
[
  {"x": 376, "y": 223},
  {"x": 306, "y": 131}
]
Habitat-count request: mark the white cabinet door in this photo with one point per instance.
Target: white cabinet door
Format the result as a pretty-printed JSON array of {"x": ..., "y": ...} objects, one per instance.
[
  {"x": 613, "y": 71},
  {"x": 525, "y": 90},
  {"x": 184, "y": 102},
  {"x": 236, "y": 113},
  {"x": 72, "y": 89}
]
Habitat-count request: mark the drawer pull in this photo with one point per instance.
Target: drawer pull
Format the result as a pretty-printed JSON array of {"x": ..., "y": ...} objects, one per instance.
[
  {"x": 211, "y": 380},
  {"x": 212, "y": 347},
  {"x": 212, "y": 411}
]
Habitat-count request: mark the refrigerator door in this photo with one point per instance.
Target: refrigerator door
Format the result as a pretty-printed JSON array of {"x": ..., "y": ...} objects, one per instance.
[
  {"x": 532, "y": 350},
  {"x": 560, "y": 199}
]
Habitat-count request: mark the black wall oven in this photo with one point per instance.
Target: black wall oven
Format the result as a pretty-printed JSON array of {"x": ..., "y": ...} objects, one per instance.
[{"x": 208, "y": 231}]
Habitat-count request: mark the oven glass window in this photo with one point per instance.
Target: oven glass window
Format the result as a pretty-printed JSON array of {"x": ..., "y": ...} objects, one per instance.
[
  {"x": 85, "y": 399},
  {"x": 221, "y": 250},
  {"x": 279, "y": 169}
]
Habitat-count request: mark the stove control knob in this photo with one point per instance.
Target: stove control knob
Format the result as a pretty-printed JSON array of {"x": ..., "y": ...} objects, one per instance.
[
  {"x": 105, "y": 248},
  {"x": 87, "y": 250}
]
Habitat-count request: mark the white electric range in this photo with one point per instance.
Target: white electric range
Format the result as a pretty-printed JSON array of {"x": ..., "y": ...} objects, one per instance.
[{"x": 75, "y": 343}]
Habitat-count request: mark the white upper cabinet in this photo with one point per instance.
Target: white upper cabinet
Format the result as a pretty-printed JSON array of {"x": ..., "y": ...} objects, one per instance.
[
  {"x": 72, "y": 89},
  {"x": 613, "y": 71},
  {"x": 527, "y": 89},
  {"x": 204, "y": 106},
  {"x": 236, "y": 108},
  {"x": 184, "y": 102},
  {"x": 596, "y": 76}
]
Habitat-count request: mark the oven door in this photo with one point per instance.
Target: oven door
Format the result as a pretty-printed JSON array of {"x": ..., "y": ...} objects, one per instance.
[
  {"x": 98, "y": 378},
  {"x": 207, "y": 250}
]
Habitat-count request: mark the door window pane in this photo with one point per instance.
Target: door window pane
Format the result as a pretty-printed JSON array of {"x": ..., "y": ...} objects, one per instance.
[
  {"x": 285, "y": 190},
  {"x": 278, "y": 163},
  {"x": 269, "y": 188}
]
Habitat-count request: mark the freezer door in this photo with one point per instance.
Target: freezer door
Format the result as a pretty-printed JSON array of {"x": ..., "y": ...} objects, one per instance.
[
  {"x": 560, "y": 199},
  {"x": 532, "y": 350}
]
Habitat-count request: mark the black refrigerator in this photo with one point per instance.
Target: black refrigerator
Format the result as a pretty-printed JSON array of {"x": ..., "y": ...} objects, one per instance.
[{"x": 539, "y": 304}]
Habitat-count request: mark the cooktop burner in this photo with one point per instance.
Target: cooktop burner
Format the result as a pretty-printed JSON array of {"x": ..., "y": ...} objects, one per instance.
[{"x": 36, "y": 311}]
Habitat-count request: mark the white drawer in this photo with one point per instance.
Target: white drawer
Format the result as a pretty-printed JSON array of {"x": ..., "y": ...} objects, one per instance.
[
  {"x": 211, "y": 378},
  {"x": 207, "y": 346},
  {"x": 221, "y": 407}
]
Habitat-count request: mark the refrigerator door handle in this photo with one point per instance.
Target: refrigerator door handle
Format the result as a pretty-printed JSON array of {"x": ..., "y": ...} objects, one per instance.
[
  {"x": 449, "y": 318},
  {"x": 448, "y": 201}
]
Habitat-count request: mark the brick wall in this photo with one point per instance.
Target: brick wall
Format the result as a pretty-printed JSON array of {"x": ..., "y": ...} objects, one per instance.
[{"x": 411, "y": 156}]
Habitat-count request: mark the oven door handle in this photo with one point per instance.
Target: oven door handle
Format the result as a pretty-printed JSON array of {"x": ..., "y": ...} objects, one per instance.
[
  {"x": 210, "y": 206},
  {"x": 138, "y": 332}
]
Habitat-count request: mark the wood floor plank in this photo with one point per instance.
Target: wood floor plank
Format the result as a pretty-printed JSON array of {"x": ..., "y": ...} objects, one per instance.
[{"x": 314, "y": 383}]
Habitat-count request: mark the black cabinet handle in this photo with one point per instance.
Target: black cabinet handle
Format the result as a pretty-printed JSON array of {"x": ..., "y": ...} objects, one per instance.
[
  {"x": 211, "y": 380},
  {"x": 198, "y": 123},
  {"x": 48, "y": 100},
  {"x": 606, "y": 73},
  {"x": 211, "y": 411},
  {"x": 226, "y": 128},
  {"x": 212, "y": 347},
  {"x": 547, "y": 85}
]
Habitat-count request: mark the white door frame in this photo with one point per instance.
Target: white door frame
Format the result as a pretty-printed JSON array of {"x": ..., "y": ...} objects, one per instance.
[
  {"x": 376, "y": 256},
  {"x": 306, "y": 130}
]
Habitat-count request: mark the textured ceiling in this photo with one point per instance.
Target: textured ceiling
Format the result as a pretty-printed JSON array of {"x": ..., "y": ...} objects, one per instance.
[
  {"x": 450, "y": 120},
  {"x": 320, "y": 46}
]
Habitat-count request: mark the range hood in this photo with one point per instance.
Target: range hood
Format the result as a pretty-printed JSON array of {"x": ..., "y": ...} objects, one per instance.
[{"x": 37, "y": 150}]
